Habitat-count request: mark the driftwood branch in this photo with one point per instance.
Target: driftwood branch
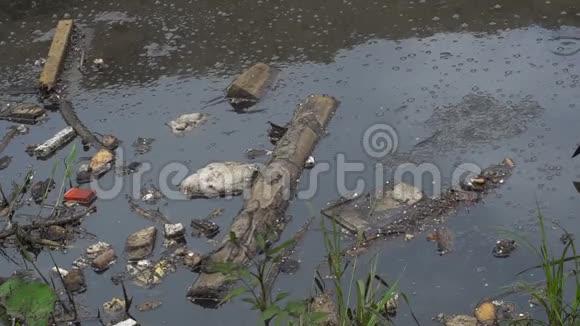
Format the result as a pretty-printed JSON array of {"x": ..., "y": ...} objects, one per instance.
[
  {"x": 71, "y": 118},
  {"x": 72, "y": 218},
  {"x": 267, "y": 200}
]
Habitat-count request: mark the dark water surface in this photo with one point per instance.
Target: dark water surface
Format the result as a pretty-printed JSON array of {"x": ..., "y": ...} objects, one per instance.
[{"x": 468, "y": 81}]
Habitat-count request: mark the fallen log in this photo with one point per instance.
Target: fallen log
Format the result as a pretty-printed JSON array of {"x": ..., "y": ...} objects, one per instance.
[
  {"x": 56, "y": 54},
  {"x": 267, "y": 200},
  {"x": 71, "y": 118}
]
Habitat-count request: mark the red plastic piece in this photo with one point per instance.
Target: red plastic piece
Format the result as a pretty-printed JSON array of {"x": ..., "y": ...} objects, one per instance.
[{"x": 82, "y": 196}]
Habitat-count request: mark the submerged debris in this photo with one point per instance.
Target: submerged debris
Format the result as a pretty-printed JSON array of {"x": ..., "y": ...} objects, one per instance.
[
  {"x": 276, "y": 132},
  {"x": 111, "y": 142},
  {"x": 503, "y": 248},
  {"x": 205, "y": 228},
  {"x": 143, "y": 145},
  {"x": 215, "y": 213},
  {"x": 149, "y": 305},
  {"x": 187, "y": 257},
  {"x": 187, "y": 122},
  {"x": 567, "y": 237},
  {"x": 129, "y": 168},
  {"x": 153, "y": 215},
  {"x": 219, "y": 179},
  {"x": 5, "y": 162},
  {"x": 289, "y": 265},
  {"x": 83, "y": 175},
  {"x": 40, "y": 189},
  {"x": 444, "y": 239},
  {"x": 254, "y": 153},
  {"x": 386, "y": 214},
  {"x": 150, "y": 194}
]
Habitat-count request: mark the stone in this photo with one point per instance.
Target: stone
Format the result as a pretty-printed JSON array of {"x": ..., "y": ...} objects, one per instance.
[
  {"x": 392, "y": 305},
  {"x": 186, "y": 122},
  {"x": 324, "y": 303},
  {"x": 74, "y": 281},
  {"x": 101, "y": 162},
  {"x": 55, "y": 233},
  {"x": 114, "y": 306},
  {"x": 150, "y": 305},
  {"x": 110, "y": 141},
  {"x": 140, "y": 244},
  {"x": 459, "y": 320},
  {"x": 103, "y": 261},
  {"x": 407, "y": 194},
  {"x": 219, "y": 179},
  {"x": 173, "y": 231},
  {"x": 486, "y": 313}
]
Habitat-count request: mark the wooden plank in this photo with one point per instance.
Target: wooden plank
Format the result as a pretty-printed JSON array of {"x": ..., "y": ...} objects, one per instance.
[
  {"x": 268, "y": 199},
  {"x": 56, "y": 54},
  {"x": 252, "y": 83}
]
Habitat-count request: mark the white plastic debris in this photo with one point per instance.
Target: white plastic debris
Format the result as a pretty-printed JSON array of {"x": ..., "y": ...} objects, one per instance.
[
  {"x": 186, "y": 122},
  {"x": 40, "y": 62},
  {"x": 141, "y": 265},
  {"x": 97, "y": 249},
  {"x": 147, "y": 197},
  {"x": 406, "y": 193},
  {"x": 219, "y": 179},
  {"x": 51, "y": 145},
  {"x": 310, "y": 162},
  {"x": 22, "y": 129},
  {"x": 173, "y": 231},
  {"x": 127, "y": 322},
  {"x": 62, "y": 271}
]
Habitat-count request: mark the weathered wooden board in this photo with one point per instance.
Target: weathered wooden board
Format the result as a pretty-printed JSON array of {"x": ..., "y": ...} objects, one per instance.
[
  {"x": 56, "y": 54},
  {"x": 252, "y": 83}
]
